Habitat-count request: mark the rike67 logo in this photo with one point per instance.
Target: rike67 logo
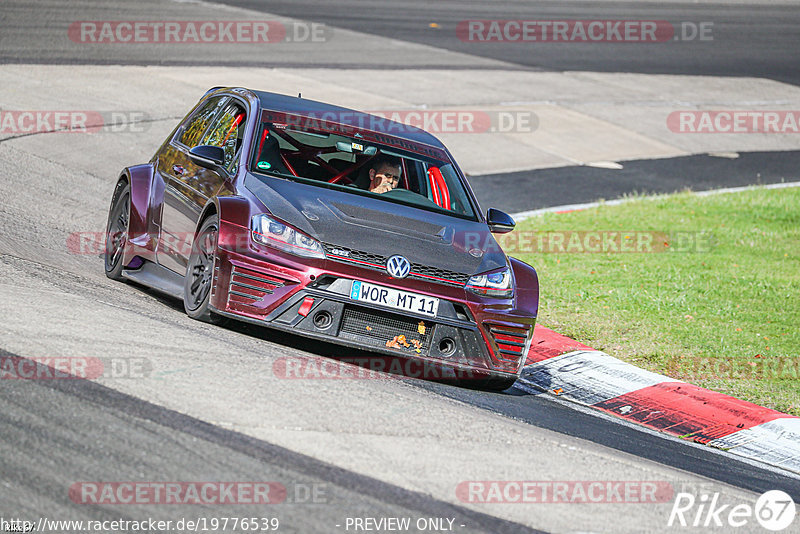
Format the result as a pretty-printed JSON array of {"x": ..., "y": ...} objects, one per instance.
[{"x": 774, "y": 510}]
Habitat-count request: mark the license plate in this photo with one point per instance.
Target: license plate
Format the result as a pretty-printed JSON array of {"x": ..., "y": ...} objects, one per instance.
[{"x": 393, "y": 298}]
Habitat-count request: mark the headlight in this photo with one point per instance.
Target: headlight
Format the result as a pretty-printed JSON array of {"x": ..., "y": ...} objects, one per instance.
[
  {"x": 272, "y": 233},
  {"x": 496, "y": 284}
]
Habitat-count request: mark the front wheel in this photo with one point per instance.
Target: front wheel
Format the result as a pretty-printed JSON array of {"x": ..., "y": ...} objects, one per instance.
[
  {"x": 492, "y": 383},
  {"x": 117, "y": 231},
  {"x": 200, "y": 273},
  {"x": 498, "y": 384}
]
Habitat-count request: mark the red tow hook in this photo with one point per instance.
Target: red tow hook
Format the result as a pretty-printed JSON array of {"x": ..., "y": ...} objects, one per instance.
[{"x": 306, "y": 306}]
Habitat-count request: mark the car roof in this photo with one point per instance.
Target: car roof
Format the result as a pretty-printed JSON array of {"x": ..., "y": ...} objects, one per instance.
[{"x": 345, "y": 116}]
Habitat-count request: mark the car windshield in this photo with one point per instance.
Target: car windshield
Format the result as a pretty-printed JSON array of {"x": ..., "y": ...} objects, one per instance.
[{"x": 363, "y": 163}]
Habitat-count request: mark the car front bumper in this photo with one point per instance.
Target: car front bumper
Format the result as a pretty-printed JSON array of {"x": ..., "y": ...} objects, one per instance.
[{"x": 467, "y": 338}]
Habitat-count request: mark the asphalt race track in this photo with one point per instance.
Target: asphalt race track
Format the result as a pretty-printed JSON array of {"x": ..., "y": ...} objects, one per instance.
[
  {"x": 194, "y": 402},
  {"x": 748, "y": 41},
  {"x": 149, "y": 438}
]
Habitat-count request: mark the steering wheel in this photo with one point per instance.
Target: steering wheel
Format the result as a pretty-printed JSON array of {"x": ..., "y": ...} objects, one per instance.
[{"x": 410, "y": 196}]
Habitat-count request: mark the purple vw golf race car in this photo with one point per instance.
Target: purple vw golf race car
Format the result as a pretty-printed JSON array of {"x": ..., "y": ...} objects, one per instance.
[{"x": 328, "y": 223}]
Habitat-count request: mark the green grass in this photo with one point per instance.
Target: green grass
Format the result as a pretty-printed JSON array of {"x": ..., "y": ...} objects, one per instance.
[{"x": 725, "y": 317}]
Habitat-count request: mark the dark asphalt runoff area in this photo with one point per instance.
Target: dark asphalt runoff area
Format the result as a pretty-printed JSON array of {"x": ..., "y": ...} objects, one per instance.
[
  {"x": 746, "y": 40},
  {"x": 530, "y": 190}
]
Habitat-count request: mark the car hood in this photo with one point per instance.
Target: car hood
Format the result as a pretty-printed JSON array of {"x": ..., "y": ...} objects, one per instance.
[{"x": 356, "y": 222}]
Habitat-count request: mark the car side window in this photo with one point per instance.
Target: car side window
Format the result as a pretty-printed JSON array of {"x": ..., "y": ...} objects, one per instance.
[
  {"x": 227, "y": 132},
  {"x": 199, "y": 122}
]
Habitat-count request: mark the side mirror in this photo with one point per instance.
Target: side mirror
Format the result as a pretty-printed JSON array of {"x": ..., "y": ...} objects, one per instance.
[
  {"x": 499, "y": 222},
  {"x": 210, "y": 157}
]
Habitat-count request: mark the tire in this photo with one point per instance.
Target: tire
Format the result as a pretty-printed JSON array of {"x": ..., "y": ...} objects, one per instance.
[
  {"x": 489, "y": 384},
  {"x": 117, "y": 231},
  {"x": 199, "y": 277},
  {"x": 498, "y": 384}
]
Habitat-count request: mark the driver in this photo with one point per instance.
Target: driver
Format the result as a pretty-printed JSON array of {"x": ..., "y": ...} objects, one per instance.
[{"x": 384, "y": 174}]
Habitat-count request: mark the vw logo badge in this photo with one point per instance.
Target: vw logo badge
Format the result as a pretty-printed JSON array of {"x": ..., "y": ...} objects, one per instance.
[{"x": 398, "y": 267}]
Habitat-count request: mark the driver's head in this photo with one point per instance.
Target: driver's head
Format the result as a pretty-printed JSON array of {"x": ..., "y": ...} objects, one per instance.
[{"x": 384, "y": 174}]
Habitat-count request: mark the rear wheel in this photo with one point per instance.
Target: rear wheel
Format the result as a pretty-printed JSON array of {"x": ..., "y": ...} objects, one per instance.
[
  {"x": 200, "y": 273},
  {"x": 117, "y": 231}
]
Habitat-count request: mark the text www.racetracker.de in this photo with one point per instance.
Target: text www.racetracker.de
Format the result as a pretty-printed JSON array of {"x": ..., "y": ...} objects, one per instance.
[{"x": 200, "y": 524}]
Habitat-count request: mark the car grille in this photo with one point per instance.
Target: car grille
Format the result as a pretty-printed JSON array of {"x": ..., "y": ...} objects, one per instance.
[
  {"x": 248, "y": 286},
  {"x": 378, "y": 263},
  {"x": 510, "y": 342},
  {"x": 377, "y": 328}
]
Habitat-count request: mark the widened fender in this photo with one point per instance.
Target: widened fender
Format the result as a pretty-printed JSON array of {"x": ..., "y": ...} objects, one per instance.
[
  {"x": 234, "y": 220},
  {"x": 527, "y": 287},
  {"x": 141, "y": 242},
  {"x": 234, "y": 234}
]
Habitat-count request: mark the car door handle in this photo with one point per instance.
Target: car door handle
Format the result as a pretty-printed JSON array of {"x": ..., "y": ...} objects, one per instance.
[{"x": 177, "y": 169}]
